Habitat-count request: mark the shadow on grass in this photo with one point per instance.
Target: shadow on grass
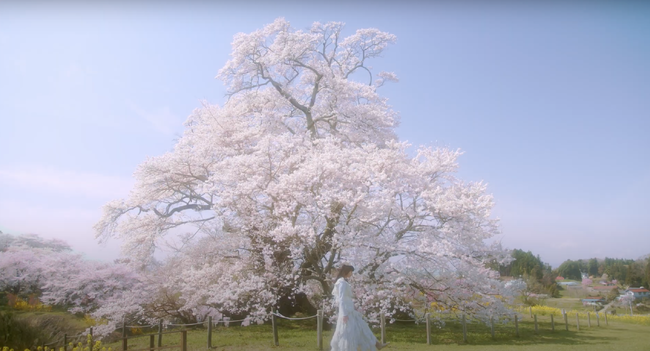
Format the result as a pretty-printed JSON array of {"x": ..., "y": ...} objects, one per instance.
[
  {"x": 302, "y": 335},
  {"x": 480, "y": 334},
  {"x": 477, "y": 333}
]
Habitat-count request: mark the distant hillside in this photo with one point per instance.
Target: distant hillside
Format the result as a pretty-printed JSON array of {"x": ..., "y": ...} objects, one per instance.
[
  {"x": 627, "y": 271},
  {"x": 538, "y": 275}
]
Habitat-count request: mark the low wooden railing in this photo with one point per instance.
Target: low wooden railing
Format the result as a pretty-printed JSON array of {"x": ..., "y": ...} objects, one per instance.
[{"x": 152, "y": 343}]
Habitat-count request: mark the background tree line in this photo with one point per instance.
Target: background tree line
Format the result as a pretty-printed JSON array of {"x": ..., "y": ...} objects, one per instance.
[
  {"x": 538, "y": 275},
  {"x": 626, "y": 271}
]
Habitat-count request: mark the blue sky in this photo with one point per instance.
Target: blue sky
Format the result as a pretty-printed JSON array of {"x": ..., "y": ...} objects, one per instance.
[{"x": 550, "y": 103}]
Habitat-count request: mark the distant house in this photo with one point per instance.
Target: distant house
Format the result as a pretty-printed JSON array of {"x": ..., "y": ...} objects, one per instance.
[
  {"x": 568, "y": 283},
  {"x": 559, "y": 278},
  {"x": 593, "y": 300},
  {"x": 638, "y": 293}
]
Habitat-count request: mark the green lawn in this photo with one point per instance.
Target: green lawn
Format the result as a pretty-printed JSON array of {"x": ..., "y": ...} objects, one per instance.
[
  {"x": 568, "y": 303},
  {"x": 301, "y": 335}
]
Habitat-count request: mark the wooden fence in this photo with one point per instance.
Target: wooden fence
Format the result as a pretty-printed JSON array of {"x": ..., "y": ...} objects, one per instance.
[
  {"x": 153, "y": 345},
  {"x": 426, "y": 320},
  {"x": 125, "y": 344}
]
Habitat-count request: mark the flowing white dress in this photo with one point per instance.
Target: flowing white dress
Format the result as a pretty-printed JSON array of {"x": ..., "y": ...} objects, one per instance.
[{"x": 355, "y": 333}]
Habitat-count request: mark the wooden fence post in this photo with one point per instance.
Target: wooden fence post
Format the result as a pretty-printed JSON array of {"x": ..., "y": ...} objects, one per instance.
[
  {"x": 597, "y": 319},
  {"x": 210, "y": 332},
  {"x": 606, "y": 319},
  {"x": 152, "y": 342},
  {"x": 125, "y": 346},
  {"x": 92, "y": 342},
  {"x": 319, "y": 329},
  {"x": 464, "y": 329},
  {"x": 516, "y": 326},
  {"x": 589, "y": 319},
  {"x": 577, "y": 321},
  {"x": 184, "y": 340},
  {"x": 536, "y": 330},
  {"x": 428, "y": 317},
  {"x": 276, "y": 342},
  {"x": 530, "y": 310},
  {"x": 566, "y": 322},
  {"x": 65, "y": 342},
  {"x": 492, "y": 326},
  {"x": 124, "y": 328},
  {"x": 382, "y": 323},
  {"x": 160, "y": 327},
  {"x": 552, "y": 323}
]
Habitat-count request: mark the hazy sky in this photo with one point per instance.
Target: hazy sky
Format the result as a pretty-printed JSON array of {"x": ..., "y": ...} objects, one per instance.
[{"x": 550, "y": 103}]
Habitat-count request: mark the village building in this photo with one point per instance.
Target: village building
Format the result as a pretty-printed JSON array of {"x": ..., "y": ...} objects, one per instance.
[
  {"x": 638, "y": 293},
  {"x": 593, "y": 300}
]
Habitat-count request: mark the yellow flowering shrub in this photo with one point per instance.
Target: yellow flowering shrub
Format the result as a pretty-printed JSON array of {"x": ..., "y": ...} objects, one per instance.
[
  {"x": 33, "y": 305},
  {"x": 547, "y": 311},
  {"x": 97, "y": 346}
]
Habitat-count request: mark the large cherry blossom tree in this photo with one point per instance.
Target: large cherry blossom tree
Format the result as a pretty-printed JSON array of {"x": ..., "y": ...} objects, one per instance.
[{"x": 298, "y": 171}]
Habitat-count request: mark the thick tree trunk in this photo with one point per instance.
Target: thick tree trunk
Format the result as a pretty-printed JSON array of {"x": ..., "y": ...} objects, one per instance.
[{"x": 289, "y": 305}]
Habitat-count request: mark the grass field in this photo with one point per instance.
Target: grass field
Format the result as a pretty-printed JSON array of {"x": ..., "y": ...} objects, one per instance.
[
  {"x": 301, "y": 335},
  {"x": 568, "y": 303}
]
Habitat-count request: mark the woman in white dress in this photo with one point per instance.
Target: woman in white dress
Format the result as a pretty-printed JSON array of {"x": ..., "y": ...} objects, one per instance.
[{"x": 352, "y": 331}]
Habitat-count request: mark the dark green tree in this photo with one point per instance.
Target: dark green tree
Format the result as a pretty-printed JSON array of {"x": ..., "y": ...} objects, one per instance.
[
  {"x": 593, "y": 267},
  {"x": 538, "y": 275},
  {"x": 570, "y": 269},
  {"x": 646, "y": 283},
  {"x": 635, "y": 274},
  {"x": 523, "y": 263}
]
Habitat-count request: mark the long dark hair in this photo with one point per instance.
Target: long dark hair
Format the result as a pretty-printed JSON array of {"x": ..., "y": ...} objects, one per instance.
[{"x": 345, "y": 269}]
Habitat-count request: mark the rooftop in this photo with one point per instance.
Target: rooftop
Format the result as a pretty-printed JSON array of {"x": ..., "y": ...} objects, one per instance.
[{"x": 637, "y": 290}]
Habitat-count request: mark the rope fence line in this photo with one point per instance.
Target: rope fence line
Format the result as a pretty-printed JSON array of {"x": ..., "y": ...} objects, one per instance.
[
  {"x": 418, "y": 320},
  {"x": 426, "y": 319},
  {"x": 319, "y": 326},
  {"x": 231, "y": 321},
  {"x": 294, "y": 319},
  {"x": 69, "y": 339},
  {"x": 54, "y": 342},
  {"x": 506, "y": 325},
  {"x": 185, "y": 325}
]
